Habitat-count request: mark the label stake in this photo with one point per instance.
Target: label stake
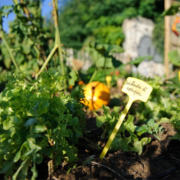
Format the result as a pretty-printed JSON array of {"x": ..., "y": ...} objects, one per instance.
[{"x": 136, "y": 90}]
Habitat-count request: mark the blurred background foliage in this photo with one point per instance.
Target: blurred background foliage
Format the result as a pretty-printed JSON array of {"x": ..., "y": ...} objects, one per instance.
[
  {"x": 80, "y": 20},
  {"x": 158, "y": 35},
  {"x": 31, "y": 37}
]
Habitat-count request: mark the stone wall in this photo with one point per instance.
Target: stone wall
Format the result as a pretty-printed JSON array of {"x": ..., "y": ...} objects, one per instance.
[{"x": 138, "y": 42}]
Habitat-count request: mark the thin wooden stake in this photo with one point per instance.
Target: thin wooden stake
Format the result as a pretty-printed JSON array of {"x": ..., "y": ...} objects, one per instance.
[{"x": 167, "y": 4}]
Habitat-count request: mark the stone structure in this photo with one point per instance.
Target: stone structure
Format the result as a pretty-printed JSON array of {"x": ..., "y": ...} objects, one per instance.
[
  {"x": 151, "y": 69},
  {"x": 81, "y": 61},
  {"x": 138, "y": 43}
]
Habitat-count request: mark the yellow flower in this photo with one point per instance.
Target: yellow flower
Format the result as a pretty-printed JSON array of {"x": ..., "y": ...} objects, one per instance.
[{"x": 108, "y": 81}]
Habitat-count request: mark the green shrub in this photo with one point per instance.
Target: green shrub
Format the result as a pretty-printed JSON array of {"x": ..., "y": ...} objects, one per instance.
[{"x": 38, "y": 121}]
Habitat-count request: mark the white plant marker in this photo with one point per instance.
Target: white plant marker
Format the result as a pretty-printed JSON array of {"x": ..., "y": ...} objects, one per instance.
[{"x": 136, "y": 90}]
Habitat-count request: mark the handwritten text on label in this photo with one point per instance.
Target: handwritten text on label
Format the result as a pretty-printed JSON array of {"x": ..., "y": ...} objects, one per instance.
[{"x": 137, "y": 89}]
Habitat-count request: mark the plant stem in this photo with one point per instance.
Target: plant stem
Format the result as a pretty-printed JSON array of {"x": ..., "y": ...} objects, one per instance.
[
  {"x": 92, "y": 77},
  {"x": 20, "y": 167},
  {"x": 25, "y": 9},
  {"x": 47, "y": 60},
  {"x": 9, "y": 50},
  {"x": 7, "y": 45},
  {"x": 57, "y": 37},
  {"x": 60, "y": 50},
  {"x": 75, "y": 69}
]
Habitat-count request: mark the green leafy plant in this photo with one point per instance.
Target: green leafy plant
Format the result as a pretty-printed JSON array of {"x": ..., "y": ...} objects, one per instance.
[
  {"x": 105, "y": 63},
  {"x": 126, "y": 139},
  {"x": 175, "y": 120},
  {"x": 172, "y": 10},
  {"x": 30, "y": 47},
  {"x": 173, "y": 86},
  {"x": 158, "y": 35},
  {"x": 24, "y": 48},
  {"x": 138, "y": 60},
  {"x": 151, "y": 127},
  {"x": 37, "y": 122},
  {"x": 158, "y": 105},
  {"x": 102, "y": 57},
  {"x": 145, "y": 120},
  {"x": 102, "y": 20},
  {"x": 174, "y": 57}
]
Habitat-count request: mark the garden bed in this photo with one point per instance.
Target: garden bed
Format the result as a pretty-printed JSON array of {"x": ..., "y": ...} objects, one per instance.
[{"x": 160, "y": 159}]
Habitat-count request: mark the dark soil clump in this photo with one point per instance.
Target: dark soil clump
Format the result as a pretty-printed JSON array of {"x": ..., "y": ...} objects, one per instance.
[{"x": 160, "y": 160}]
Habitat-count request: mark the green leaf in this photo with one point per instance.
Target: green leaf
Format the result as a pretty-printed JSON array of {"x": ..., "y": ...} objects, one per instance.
[
  {"x": 17, "y": 156},
  {"x": 151, "y": 123},
  {"x": 32, "y": 145},
  {"x": 173, "y": 84},
  {"x": 143, "y": 129},
  {"x": 120, "y": 143},
  {"x": 27, "y": 154},
  {"x": 162, "y": 120},
  {"x": 106, "y": 110},
  {"x": 25, "y": 163},
  {"x": 7, "y": 124},
  {"x": 7, "y": 63},
  {"x": 48, "y": 151},
  {"x": 116, "y": 110},
  {"x": 6, "y": 166},
  {"x": 34, "y": 172},
  {"x": 6, "y": 10},
  {"x": 75, "y": 121},
  {"x": 15, "y": 120},
  {"x": 115, "y": 49},
  {"x": 174, "y": 57},
  {"x": 176, "y": 136},
  {"x": 103, "y": 62},
  {"x": 70, "y": 155},
  {"x": 106, "y": 49},
  {"x": 73, "y": 78},
  {"x": 172, "y": 10},
  {"x": 138, "y": 145},
  {"x": 100, "y": 120},
  {"x": 43, "y": 107},
  {"x": 39, "y": 158},
  {"x": 30, "y": 122},
  {"x": 116, "y": 63},
  {"x": 138, "y": 60},
  {"x": 102, "y": 55},
  {"x": 129, "y": 124},
  {"x": 39, "y": 128}
]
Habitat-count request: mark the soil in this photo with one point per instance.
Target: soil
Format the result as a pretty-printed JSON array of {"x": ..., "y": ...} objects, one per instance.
[{"x": 160, "y": 159}]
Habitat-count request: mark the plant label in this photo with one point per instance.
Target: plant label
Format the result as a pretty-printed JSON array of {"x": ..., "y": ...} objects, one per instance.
[{"x": 136, "y": 90}]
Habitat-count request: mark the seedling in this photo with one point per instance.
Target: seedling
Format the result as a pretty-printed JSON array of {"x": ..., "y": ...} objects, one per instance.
[{"x": 136, "y": 90}]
